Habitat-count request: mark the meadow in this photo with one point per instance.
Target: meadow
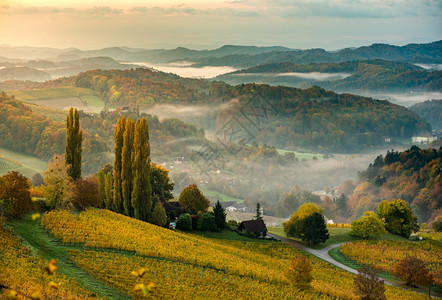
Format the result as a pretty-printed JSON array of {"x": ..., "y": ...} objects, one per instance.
[
  {"x": 61, "y": 98},
  {"x": 25, "y": 164}
]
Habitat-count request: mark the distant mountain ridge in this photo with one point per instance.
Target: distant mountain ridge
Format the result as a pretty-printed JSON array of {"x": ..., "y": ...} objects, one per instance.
[
  {"x": 374, "y": 75},
  {"x": 240, "y": 56}
]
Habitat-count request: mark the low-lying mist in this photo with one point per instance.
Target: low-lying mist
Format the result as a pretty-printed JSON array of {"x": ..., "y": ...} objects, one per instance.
[
  {"x": 184, "y": 69},
  {"x": 404, "y": 99}
]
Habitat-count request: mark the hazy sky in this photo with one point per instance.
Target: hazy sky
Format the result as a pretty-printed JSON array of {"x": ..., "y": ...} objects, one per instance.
[{"x": 330, "y": 24}]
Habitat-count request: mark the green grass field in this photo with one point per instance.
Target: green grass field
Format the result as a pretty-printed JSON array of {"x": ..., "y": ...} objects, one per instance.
[
  {"x": 94, "y": 103},
  {"x": 25, "y": 164},
  {"x": 337, "y": 236},
  {"x": 51, "y": 93},
  {"x": 87, "y": 96},
  {"x": 214, "y": 195}
]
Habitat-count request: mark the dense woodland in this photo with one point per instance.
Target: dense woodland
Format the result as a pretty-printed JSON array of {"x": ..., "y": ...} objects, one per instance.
[
  {"x": 26, "y": 132},
  {"x": 414, "y": 175},
  {"x": 312, "y": 119},
  {"x": 324, "y": 121},
  {"x": 431, "y": 111},
  {"x": 367, "y": 75},
  {"x": 419, "y": 53}
]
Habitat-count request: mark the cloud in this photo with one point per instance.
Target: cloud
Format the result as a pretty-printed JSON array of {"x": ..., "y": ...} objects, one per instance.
[
  {"x": 344, "y": 8},
  {"x": 262, "y": 8}
]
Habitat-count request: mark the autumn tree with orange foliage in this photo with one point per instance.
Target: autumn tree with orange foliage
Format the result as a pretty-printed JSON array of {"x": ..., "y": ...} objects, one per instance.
[
  {"x": 368, "y": 285},
  {"x": 413, "y": 271},
  {"x": 15, "y": 195}
]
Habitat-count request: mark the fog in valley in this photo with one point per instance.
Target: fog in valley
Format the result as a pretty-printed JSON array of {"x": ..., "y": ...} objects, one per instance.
[{"x": 185, "y": 69}]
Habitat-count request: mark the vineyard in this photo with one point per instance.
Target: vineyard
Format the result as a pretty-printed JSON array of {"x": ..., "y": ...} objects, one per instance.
[
  {"x": 384, "y": 254},
  {"x": 185, "y": 265},
  {"x": 22, "y": 272}
]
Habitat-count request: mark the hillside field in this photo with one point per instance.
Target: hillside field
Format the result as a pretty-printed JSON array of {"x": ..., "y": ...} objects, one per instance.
[
  {"x": 61, "y": 98},
  {"x": 25, "y": 164},
  {"x": 102, "y": 249}
]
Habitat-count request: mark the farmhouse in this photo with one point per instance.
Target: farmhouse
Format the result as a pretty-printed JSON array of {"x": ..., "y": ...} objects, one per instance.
[
  {"x": 253, "y": 226},
  {"x": 171, "y": 205},
  {"x": 423, "y": 137},
  {"x": 239, "y": 207}
]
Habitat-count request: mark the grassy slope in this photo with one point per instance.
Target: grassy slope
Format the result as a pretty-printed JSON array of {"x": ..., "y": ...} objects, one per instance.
[
  {"x": 51, "y": 93},
  {"x": 48, "y": 247},
  {"x": 337, "y": 236},
  {"x": 25, "y": 164},
  {"x": 88, "y": 96},
  {"x": 213, "y": 195}
]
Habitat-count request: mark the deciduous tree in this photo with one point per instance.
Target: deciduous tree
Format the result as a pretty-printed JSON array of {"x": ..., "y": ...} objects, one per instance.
[
  {"x": 86, "y": 193},
  {"x": 74, "y": 137},
  {"x": 398, "y": 217},
  {"x": 15, "y": 195},
  {"x": 142, "y": 190},
  {"x": 413, "y": 271},
  {"x": 295, "y": 225},
  {"x": 59, "y": 186},
  {"x": 126, "y": 167},
  {"x": 192, "y": 200},
  {"x": 368, "y": 285},
  {"x": 369, "y": 225},
  {"x": 117, "y": 204}
]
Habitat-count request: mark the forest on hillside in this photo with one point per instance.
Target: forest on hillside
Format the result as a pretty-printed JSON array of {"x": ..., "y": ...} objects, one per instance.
[
  {"x": 368, "y": 75},
  {"x": 414, "y": 175},
  {"x": 431, "y": 111},
  {"x": 311, "y": 119}
]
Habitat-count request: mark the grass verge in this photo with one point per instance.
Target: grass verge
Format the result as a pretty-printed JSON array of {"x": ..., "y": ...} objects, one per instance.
[{"x": 46, "y": 246}]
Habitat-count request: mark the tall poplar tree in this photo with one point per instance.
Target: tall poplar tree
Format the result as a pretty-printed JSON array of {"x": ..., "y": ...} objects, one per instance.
[
  {"x": 142, "y": 190},
  {"x": 126, "y": 167},
  {"x": 118, "y": 136},
  {"x": 74, "y": 137}
]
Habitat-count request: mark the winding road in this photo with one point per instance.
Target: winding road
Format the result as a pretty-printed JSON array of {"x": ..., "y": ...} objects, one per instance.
[{"x": 323, "y": 254}]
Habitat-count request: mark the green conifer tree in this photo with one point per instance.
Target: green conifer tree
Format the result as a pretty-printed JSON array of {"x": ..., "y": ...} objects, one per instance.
[
  {"x": 74, "y": 137},
  {"x": 220, "y": 215}
]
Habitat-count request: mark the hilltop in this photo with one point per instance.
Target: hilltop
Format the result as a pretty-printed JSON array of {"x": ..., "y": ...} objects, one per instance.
[
  {"x": 238, "y": 56},
  {"x": 368, "y": 75}
]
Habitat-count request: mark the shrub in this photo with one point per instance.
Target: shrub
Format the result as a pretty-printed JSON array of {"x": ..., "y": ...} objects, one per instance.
[
  {"x": 206, "y": 222},
  {"x": 184, "y": 223}
]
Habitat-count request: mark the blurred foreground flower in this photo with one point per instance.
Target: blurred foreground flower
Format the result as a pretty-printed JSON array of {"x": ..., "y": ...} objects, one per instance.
[
  {"x": 51, "y": 267},
  {"x": 145, "y": 289}
]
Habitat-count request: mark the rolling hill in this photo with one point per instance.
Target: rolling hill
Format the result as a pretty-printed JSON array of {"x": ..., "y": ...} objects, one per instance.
[
  {"x": 106, "y": 247},
  {"x": 351, "y": 76}
]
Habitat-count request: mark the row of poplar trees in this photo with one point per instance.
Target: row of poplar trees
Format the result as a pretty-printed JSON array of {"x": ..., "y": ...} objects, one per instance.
[
  {"x": 131, "y": 172},
  {"x": 74, "y": 137}
]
